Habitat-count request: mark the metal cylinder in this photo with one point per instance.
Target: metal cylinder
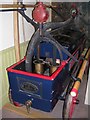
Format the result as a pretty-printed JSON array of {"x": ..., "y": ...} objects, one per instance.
[
  {"x": 53, "y": 68},
  {"x": 39, "y": 66}
]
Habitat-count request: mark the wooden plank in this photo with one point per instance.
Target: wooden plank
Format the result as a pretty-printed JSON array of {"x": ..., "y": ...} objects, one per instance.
[
  {"x": 20, "y": 6},
  {"x": 16, "y": 35},
  {"x": 34, "y": 113}
]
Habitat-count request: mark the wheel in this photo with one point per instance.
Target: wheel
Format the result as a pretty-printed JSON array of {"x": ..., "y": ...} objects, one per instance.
[
  {"x": 69, "y": 104},
  {"x": 68, "y": 107},
  {"x": 11, "y": 100}
]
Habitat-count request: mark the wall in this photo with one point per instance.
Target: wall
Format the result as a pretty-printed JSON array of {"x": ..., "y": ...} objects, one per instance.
[
  {"x": 6, "y": 21},
  {"x": 87, "y": 97}
]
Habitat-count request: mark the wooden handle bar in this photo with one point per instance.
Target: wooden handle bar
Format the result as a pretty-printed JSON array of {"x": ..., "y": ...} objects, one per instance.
[
  {"x": 80, "y": 75},
  {"x": 21, "y": 5}
]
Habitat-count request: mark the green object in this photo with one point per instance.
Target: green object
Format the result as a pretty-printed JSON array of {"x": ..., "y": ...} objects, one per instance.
[{"x": 7, "y": 58}]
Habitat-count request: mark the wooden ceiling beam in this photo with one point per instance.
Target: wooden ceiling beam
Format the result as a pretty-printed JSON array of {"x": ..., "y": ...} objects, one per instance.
[{"x": 21, "y": 5}]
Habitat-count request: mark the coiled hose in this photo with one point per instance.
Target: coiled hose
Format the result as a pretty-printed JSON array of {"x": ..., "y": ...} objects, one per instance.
[
  {"x": 28, "y": 62},
  {"x": 36, "y": 39}
]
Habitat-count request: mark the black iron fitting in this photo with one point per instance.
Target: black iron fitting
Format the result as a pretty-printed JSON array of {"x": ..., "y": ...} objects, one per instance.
[
  {"x": 9, "y": 10},
  {"x": 74, "y": 78},
  {"x": 28, "y": 19},
  {"x": 78, "y": 79},
  {"x": 83, "y": 58}
]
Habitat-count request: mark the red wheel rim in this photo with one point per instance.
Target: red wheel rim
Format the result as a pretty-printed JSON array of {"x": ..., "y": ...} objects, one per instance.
[{"x": 72, "y": 106}]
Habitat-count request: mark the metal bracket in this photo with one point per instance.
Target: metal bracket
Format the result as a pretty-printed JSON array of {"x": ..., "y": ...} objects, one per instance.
[{"x": 28, "y": 105}]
